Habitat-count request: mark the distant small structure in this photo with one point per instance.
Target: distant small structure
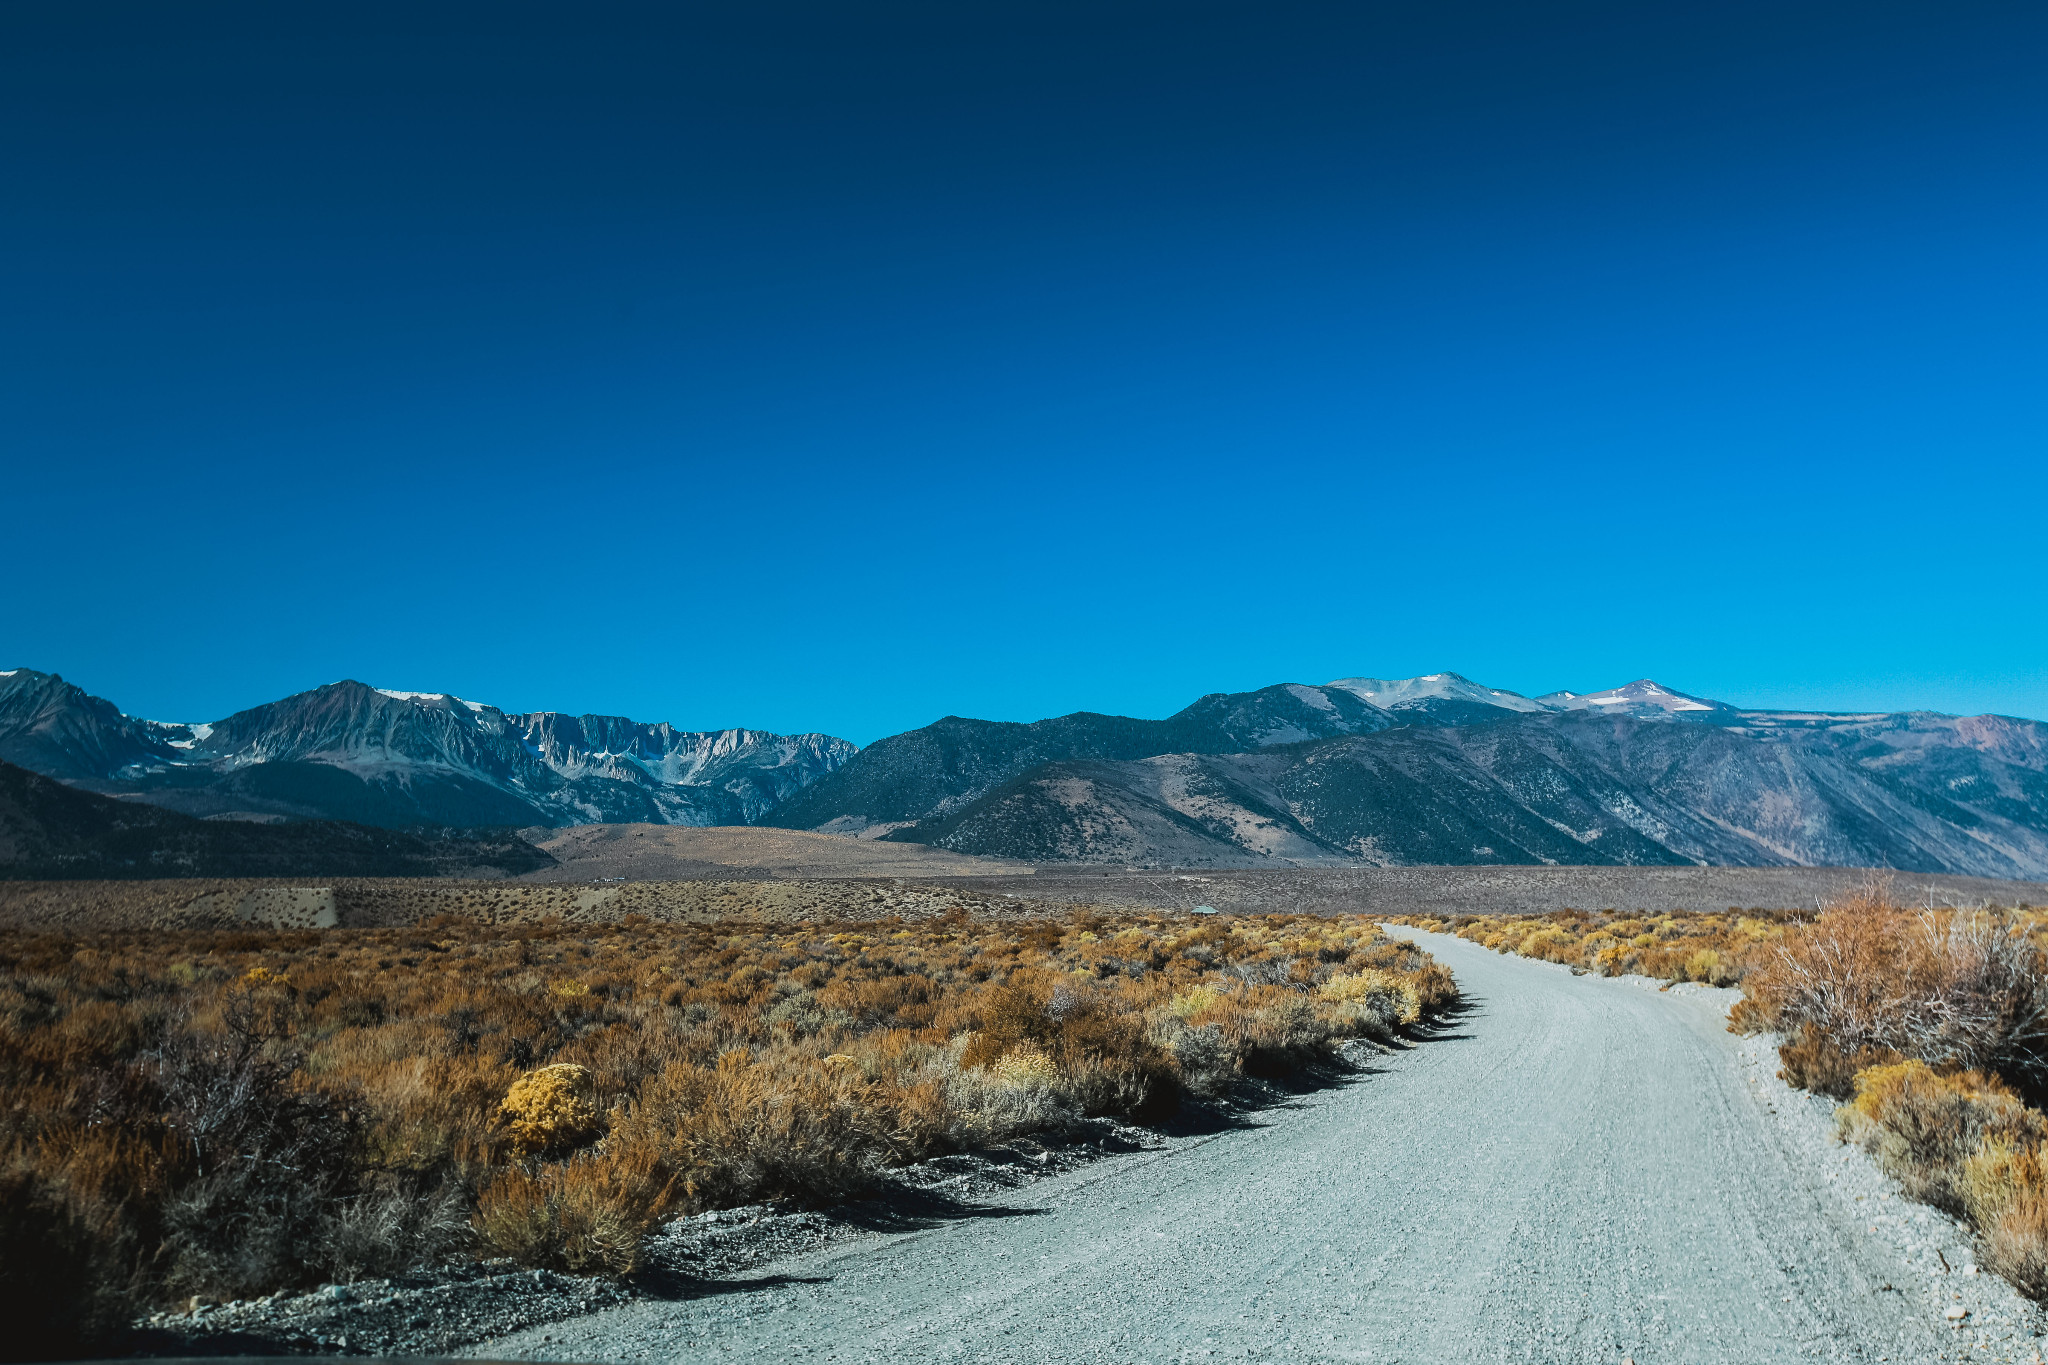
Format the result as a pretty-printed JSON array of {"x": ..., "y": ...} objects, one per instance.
[{"x": 1203, "y": 910}]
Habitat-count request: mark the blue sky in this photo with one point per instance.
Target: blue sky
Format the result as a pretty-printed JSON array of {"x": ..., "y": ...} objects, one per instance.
[{"x": 834, "y": 367}]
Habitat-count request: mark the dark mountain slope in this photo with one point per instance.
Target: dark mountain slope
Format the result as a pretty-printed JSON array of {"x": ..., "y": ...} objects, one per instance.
[
  {"x": 49, "y": 726},
  {"x": 397, "y": 796},
  {"x": 925, "y": 773},
  {"x": 1180, "y": 810},
  {"x": 1481, "y": 794},
  {"x": 1961, "y": 768},
  {"x": 50, "y": 831},
  {"x": 1570, "y": 788}
]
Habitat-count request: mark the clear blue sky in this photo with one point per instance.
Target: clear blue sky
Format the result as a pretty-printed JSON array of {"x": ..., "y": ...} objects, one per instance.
[{"x": 837, "y": 366}]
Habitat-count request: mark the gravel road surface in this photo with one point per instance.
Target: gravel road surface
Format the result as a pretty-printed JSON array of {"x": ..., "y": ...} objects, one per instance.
[{"x": 1576, "y": 1170}]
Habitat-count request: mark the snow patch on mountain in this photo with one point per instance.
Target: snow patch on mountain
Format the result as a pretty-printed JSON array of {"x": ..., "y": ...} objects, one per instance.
[
  {"x": 450, "y": 697},
  {"x": 1640, "y": 695},
  {"x": 1311, "y": 696},
  {"x": 1643, "y": 699},
  {"x": 1391, "y": 694},
  {"x": 198, "y": 734}
]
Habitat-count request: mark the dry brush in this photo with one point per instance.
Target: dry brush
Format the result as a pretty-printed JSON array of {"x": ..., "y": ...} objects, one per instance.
[{"x": 228, "y": 1113}]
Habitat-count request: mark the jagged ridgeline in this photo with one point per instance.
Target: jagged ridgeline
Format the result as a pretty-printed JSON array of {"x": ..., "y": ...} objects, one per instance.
[
  {"x": 353, "y": 752},
  {"x": 1429, "y": 770}
]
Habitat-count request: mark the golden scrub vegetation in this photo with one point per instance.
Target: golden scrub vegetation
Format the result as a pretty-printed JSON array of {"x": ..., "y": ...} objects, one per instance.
[
  {"x": 1936, "y": 1023},
  {"x": 1715, "y": 949},
  {"x": 232, "y": 1113},
  {"x": 1963, "y": 1142}
]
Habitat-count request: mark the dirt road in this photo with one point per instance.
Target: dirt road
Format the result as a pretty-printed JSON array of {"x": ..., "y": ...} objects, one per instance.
[{"x": 1580, "y": 1170}]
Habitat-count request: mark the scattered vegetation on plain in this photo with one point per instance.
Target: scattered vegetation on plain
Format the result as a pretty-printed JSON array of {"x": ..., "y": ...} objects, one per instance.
[
  {"x": 226, "y": 1114},
  {"x": 1715, "y": 949}
]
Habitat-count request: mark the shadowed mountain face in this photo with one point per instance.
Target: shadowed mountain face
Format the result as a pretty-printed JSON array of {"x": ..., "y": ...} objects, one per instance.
[
  {"x": 1436, "y": 769},
  {"x": 49, "y": 726},
  {"x": 912, "y": 776},
  {"x": 1917, "y": 792},
  {"x": 907, "y": 781},
  {"x": 49, "y": 831},
  {"x": 1443, "y": 770},
  {"x": 353, "y": 752}
]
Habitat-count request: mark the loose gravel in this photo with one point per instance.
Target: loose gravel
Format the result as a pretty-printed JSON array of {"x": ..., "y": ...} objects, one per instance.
[
  {"x": 429, "y": 1315},
  {"x": 437, "y": 1314}
]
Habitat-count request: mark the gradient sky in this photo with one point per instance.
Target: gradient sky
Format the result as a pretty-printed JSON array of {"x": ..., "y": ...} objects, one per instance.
[{"x": 838, "y": 366}]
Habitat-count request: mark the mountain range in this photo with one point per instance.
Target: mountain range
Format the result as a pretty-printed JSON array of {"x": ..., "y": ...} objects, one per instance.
[
  {"x": 1435, "y": 769},
  {"x": 1440, "y": 769},
  {"x": 353, "y": 752}
]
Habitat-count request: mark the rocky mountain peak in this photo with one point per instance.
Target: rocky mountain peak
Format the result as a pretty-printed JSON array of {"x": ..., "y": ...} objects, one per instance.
[
  {"x": 1431, "y": 690},
  {"x": 377, "y": 755},
  {"x": 1645, "y": 698}
]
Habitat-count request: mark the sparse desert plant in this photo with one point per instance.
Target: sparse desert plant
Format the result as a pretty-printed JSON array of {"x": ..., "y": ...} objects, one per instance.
[
  {"x": 1025, "y": 1067},
  {"x": 1963, "y": 1142},
  {"x": 586, "y": 1214},
  {"x": 395, "y": 1229},
  {"x": 748, "y": 1128},
  {"x": 265, "y": 1163},
  {"x": 1964, "y": 989},
  {"x": 2004, "y": 1169},
  {"x": 2013, "y": 1234},
  {"x": 1378, "y": 1001},
  {"x": 1020, "y": 1092},
  {"x": 1206, "y": 1066},
  {"x": 1715, "y": 949},
  {"x": 1812, "y": 1060},
  {"x": 549, "y": 1112},
  {"x": 1924, "y": 1126}
]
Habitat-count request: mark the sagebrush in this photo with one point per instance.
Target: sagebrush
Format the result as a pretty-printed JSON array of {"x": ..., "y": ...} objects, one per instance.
[
  {"x": 1870, "y": 981},
  {"x": 1716, "y": 949},
  {"x": 227, "y": 1114}
]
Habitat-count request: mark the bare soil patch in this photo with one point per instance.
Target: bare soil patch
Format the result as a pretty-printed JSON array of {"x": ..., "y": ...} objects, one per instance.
[
  {"x": 369, "y": 903},
  {"x": 676, "y": 852},
  {"x": 711, "y": 891}
]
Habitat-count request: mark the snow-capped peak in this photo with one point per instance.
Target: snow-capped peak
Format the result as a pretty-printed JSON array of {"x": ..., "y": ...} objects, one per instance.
[
  {"x": 199, "y": 733},
  {"x": 1642, "y": 698},
  {"x": 1642, "y": 694},
  {"x": 1391, "y": 693},
  {"x": 475, "y": 706}
]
